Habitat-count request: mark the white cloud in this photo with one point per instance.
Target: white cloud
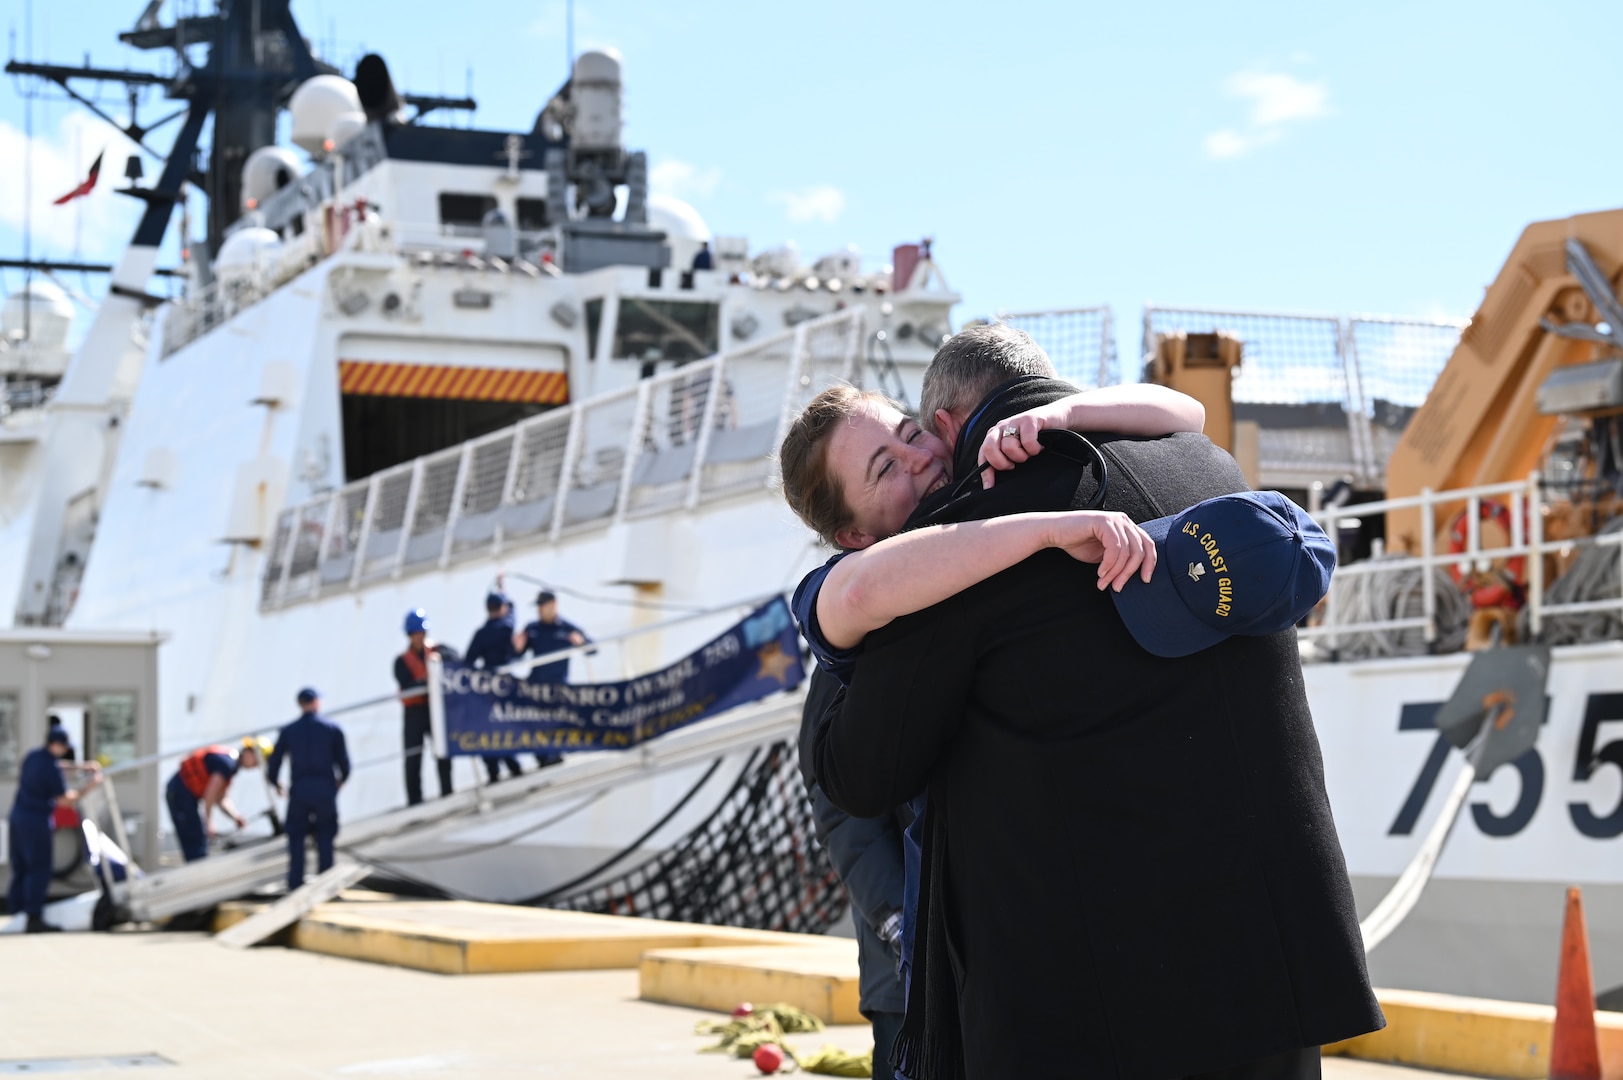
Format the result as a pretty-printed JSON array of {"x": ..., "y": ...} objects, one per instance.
[
  {"x": 821, "y": 203},
  {"x": 682, "y": 180},
  {"x": 1227, "y": 143},
  {"x": 105, "y": 219},
  {"x": 1276, "y": 101}
]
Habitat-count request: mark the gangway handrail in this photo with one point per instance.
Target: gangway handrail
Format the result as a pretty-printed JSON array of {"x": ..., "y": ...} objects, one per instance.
[
  {"x": 171, "y": 890},
  {"x": 516, "y": 667}
]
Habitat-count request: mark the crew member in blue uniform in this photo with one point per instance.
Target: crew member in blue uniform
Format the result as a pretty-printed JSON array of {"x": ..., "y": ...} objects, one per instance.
[
  {"x": 702, "y": 259},
  {"x": 491, "y": 647},
  {"x": 40, "y": 789},
  {"x": 320, "y": 767},
  {"x": 203, "y": 778},
  {"x": 549, "y": 634},
  {"x": 411, "y": 673}
]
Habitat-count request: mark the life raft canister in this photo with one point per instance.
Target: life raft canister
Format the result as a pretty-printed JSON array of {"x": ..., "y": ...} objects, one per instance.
[
  {"x": 194, "y": 773},
  {"x": 1508, "y": 591}
]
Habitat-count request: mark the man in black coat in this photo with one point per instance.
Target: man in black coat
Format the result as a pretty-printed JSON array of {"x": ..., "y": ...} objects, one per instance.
[
  {"x": 867, "y": 854},
  {"x": 1131, "y": 869}
]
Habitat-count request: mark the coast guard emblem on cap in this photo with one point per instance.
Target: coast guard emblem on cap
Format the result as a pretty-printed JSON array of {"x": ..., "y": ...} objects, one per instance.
[{"x": 1251, "y": 563}]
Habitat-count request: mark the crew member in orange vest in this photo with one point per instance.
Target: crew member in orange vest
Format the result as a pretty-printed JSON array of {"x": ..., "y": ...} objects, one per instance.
[
  {"x": 411, "y": 672},
  {"x": 204, "y": 777}
]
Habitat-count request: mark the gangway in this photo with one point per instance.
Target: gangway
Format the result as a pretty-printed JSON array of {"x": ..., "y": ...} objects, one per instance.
[{"x": 241, "y": 872}]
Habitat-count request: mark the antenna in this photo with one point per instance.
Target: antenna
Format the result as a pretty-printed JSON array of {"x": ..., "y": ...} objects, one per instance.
[
  {"x": 569, "y": 39},
  {"x": 28, "y": 182}
]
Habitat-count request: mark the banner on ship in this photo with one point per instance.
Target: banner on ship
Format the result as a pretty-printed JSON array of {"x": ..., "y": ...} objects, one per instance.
[{"x": 494, "y": 712}]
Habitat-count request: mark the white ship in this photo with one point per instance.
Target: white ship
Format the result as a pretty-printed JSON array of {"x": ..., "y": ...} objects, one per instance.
[{"x": 436, "y": 359}]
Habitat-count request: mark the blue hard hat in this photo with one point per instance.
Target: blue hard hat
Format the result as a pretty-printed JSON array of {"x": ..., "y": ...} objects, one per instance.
[
  {"x": 416, "y": 622},
  {"x": 307, "y": 695}
]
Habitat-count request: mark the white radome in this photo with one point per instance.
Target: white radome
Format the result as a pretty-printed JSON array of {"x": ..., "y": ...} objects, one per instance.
[
  {"x": 262, "y": 170},
  {"x": 316, "y": 104},
  {"x": 41, "y": 311},
  {"x": 346, "y": 126},
  {"x": 682, "y": 225},
  {"x": 246, "y": 250}
]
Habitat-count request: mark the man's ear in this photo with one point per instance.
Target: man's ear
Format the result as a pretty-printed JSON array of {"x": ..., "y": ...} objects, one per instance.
[
  {"x": 852, "y": 538},
  {"x": 946, "y": 427}
]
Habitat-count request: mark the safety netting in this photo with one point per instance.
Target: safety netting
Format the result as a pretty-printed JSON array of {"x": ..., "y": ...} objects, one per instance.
[
  {"x": 1079, "y": 342},
  {"x": 754, "y": 862},
  {"x": 1332, "y": 394}
]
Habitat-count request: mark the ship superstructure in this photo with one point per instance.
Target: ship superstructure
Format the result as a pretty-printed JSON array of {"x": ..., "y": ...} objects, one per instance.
[{"x": 428, "y": 361}]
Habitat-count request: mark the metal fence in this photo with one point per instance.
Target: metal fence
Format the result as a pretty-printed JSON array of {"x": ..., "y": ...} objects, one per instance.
[
  {"x": 1081, "y": 342},
  {"x": 1331, "y": 394},
  {"x": 705, "y": 431}
]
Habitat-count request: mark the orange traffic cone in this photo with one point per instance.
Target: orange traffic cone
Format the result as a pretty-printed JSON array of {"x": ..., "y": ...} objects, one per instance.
[{"x": 1574, "y": 1046}]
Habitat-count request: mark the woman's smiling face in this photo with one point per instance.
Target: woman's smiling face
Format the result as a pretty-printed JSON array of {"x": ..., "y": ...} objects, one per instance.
[{"x": 885, "y": 464}]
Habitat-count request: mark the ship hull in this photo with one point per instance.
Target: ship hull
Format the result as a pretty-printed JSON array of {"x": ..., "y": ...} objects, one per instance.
[{"x": 1489, "y": 921}]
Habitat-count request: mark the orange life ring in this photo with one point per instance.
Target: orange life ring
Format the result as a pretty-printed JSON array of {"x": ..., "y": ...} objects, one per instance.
[{"x": 1513, "y": 569}]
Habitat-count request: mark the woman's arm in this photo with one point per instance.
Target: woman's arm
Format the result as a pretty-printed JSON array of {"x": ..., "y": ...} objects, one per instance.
[
  {"x": 1133, "y": 409},
  {"x": 915, "y": 570}
]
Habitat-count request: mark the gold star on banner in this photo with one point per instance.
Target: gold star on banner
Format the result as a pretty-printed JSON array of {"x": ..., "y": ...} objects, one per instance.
[{"x": 775, "y": 663}]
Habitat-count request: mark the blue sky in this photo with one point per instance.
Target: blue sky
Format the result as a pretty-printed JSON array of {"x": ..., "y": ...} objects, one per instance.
[{"x": 1372, "y": 157}]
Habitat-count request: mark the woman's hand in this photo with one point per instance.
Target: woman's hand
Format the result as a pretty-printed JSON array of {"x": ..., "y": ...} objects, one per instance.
[
  {"x": 1108, "y": 538},
  {"x": 1014, "y": 440}
]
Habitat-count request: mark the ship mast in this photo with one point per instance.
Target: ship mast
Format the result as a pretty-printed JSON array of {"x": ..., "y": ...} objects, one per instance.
[{"x": 256, "y": 58}]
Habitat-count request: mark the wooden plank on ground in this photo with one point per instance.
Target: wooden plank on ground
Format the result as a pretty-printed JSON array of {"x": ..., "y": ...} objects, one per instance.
[{"x": 294, "y": 906}]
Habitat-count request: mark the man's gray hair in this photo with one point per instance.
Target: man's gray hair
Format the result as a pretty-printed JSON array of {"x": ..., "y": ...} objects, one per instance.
[{"x": 974, "y": 362}]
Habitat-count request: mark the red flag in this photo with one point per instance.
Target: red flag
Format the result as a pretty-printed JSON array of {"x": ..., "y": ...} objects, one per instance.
[{"x": 85, "y": 188}]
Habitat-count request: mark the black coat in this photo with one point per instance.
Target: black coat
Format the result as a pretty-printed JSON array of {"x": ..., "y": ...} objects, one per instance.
[
  {"x": 1132, "y": 869},
  {"x": 867, "y": 854}
]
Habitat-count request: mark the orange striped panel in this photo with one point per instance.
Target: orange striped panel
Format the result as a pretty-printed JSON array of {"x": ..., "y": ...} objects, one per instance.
[{"x": 379, "y": 379}]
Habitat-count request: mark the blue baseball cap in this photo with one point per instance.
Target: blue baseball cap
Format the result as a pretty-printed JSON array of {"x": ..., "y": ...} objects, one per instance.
[
  {"x": 1252, "y": 564},
  {"x": 308, "y": 694},
  {"x": 416, "y": 622},
  {"x": 496, "y": 600}
]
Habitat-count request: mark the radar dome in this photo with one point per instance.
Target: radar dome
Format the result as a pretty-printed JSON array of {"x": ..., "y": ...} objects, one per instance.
[
  {"x": 267, "y": 171},
  {"x": 684, "y": 229},
  {"x": 346, "y": 126},
  {"x": 41, "y": 311},
  {"x": 315, "y": 105},
  {"x": 676, "y": 218},
  {"x": 246, "y": 249}
]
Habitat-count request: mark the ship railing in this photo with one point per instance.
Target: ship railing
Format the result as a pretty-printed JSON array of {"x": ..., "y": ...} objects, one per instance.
[
  {"x": 234, "y": 291},
  {"x": 257, "y": 860},
  {"x": 1418, "y": 602},
  {"x": 1332, "y": 393},
  {"x": 706, "y": 431},
  {"x": 22, "y": 394}
]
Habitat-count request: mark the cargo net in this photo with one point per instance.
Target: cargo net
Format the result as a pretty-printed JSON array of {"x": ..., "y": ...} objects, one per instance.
[
  {"x": 1079, "y": 341},
  {"x": 755, "y": 862}
]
